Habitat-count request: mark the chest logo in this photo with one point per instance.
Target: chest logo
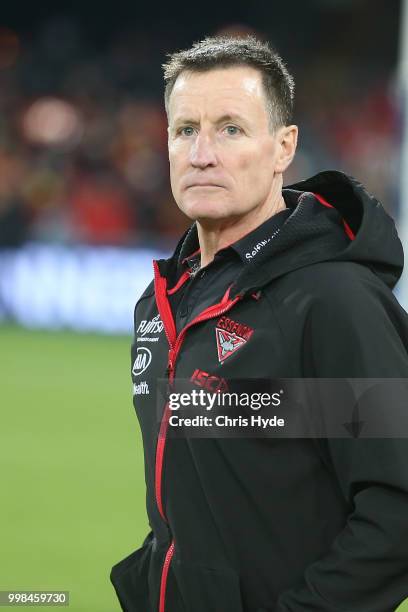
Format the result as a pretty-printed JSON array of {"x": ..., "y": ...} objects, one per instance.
[
  {"x": 142, "y": 361},
  {"x": 230, "y": 337},
  {"x": 154, "y": 326}
]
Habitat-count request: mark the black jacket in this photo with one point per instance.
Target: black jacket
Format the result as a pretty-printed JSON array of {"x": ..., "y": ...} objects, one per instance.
[{"x": 278, "y": 525}]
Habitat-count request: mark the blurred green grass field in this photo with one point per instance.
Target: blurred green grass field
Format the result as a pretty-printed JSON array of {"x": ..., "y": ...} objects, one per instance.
[{"x": 72, "y": 482}]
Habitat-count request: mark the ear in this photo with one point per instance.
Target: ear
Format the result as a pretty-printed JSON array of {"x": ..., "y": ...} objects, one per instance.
[{"x": 287, "y": 139}]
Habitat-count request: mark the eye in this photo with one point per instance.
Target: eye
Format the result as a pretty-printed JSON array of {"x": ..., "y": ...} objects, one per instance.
[
  {"x": 186, "y": 131},
  {"x": 232, "y": 130}
]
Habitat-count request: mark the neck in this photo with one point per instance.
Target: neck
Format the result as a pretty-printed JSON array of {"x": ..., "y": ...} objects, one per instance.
[{"x": 217, "y": 235}]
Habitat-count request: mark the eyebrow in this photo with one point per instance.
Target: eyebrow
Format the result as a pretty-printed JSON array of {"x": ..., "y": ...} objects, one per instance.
[
  {"x": 226, "y": 117},
  {"x": 232, "y": 117}
]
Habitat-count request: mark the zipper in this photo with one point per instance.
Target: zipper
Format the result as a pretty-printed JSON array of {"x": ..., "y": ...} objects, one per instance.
[
  {"x": 209, "y": 313},
  {"x": 163, "y": 306},
  {"x": 161, "y": 443},
  {"x": 163, "y": 581},
  {"x": 174, "y": 342},
  {"x": 172, "y": 356}
]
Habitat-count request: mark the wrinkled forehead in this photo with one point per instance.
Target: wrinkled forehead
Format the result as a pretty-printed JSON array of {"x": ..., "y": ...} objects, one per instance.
[{"x": 228, "y": 90}]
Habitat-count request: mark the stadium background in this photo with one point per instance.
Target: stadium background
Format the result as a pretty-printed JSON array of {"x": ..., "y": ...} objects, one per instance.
[{"x": 84, "y": 206}]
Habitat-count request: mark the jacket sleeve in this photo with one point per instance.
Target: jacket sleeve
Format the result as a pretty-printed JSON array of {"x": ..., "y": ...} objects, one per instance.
[{"x": 360, "y": 331}]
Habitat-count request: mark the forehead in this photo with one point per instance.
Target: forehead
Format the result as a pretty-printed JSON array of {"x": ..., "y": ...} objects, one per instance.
[{"x": 238, "y": 89}]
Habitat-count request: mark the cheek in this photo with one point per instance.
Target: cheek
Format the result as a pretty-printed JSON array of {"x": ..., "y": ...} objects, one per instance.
[
  {"x": 175, "y": 171},
  {"x": 177, "y": 161},
  {"x": 256, "y": 165},
  {"x": 249, "y": 170},
  {"x": 244, "y": 168}
]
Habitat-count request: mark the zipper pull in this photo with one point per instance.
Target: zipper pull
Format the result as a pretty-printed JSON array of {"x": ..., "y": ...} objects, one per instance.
[{"x": 170, "y": 364}]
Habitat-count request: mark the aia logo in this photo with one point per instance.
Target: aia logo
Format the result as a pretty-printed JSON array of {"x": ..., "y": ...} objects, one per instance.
[
  {"x": 230, "y": 337},
  {"x": 142, "y": 361}
]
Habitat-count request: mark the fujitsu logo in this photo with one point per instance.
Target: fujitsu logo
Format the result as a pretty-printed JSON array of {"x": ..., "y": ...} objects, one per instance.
[{"x": 154, "y": 326}]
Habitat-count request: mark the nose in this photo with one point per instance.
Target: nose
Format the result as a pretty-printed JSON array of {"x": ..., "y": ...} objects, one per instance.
[{"x": 202, "y": 153}]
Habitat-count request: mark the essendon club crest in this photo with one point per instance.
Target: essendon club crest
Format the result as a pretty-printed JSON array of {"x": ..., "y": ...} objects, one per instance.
[{"x": 230, "y": 337}]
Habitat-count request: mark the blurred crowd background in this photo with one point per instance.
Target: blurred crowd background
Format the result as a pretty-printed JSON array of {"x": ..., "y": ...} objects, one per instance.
[
  {"x": 83, "y": 151},
  {"x": 85, "y": 205}
]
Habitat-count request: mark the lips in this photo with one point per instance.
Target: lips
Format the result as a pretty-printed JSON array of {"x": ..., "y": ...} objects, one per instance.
[{"x": 204, "y": 185}]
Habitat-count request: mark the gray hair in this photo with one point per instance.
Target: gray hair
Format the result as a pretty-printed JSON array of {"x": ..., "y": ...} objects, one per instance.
[{"x": 224, "y": 52}]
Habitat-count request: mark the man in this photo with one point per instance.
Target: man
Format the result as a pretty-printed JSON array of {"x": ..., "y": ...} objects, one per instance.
[{"x": 268, "y": 283}]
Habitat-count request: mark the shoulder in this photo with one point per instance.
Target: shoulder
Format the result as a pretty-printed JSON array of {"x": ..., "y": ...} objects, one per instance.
[
  {"x": 147, "y": 293},
  {"x": 324, "y": 278},
  {"x": 342, "y": 287},
  {"x": 354, "y": 325},
  {"x": 338, "y": 299}
]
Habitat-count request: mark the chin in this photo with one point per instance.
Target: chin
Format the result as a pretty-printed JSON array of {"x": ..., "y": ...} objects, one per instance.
[{"x": 207, "y": 211}]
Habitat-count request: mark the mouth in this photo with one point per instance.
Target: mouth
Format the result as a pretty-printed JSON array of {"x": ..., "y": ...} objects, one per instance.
[{"x": 205, "y": 185}]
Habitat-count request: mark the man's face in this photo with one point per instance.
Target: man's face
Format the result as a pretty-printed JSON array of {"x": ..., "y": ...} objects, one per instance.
[{"x": 223, "y": 153}]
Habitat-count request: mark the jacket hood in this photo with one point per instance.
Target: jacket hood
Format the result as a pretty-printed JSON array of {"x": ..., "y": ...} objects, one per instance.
[{"x": 333, "y": 219}]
